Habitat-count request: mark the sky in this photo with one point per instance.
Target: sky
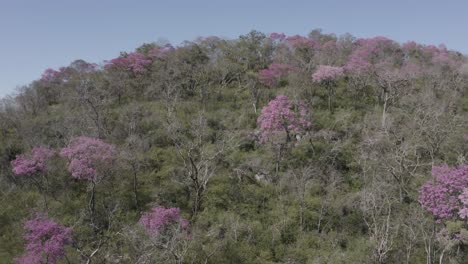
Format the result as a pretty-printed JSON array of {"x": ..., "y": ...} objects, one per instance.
[{"x": 40, "y": 34}]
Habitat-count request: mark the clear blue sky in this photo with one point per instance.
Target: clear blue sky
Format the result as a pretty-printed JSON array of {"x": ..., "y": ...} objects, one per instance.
[{"x": 38, "y": 34}]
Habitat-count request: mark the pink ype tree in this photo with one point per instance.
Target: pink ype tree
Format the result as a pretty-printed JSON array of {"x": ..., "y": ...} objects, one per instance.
[
  {"x": 282, "y": 118},
  {"x": 89, "y": 160},
  {"x": 366, "y": 53},
  {"x": 134, "y": 62},
  {"x": 32, "y": 166},
  {"x": 327, "y": 75},
  {"x": 45, "y": 241},
  {"x": 274, "y": 74},
  {"x": 161, "y": 220},
  {"x": 167, "y": 230},
  {"x": 445, "y": 196}
]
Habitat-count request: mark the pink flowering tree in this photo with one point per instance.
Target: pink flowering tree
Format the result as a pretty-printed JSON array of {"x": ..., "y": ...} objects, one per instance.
[
  {"x": 167, "y": 231},
  {"x": 51, "y": 75},
  {"x": 368, "y": 52},
  {"x": 303, "y": 49},
  {"x": 126, "y": 74},
  {"x": 32, "y": 166},
  {"x": 445, "y": 196},
  {"x": 279, "y": 118},
  {"x": 45, "y": 241},
  {"x": 161, "y": 220},
  {"x": 134, "y": 62},
  {"x": 277, "y": 36},
  {"x": 327, "y": 76},
  {"x": 272, "y": 75},
  {"x": 463, "y": 211},
  {"x": 50, "y": 83},
  {"x": 89, "y": 160}
]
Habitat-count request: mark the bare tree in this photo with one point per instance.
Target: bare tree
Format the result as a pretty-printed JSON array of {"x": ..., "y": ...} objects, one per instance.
[{"x": 198, "y": 155}]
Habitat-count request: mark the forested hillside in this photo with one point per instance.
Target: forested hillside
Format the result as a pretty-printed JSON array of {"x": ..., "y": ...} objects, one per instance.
[{"x": 261, "y": 149}]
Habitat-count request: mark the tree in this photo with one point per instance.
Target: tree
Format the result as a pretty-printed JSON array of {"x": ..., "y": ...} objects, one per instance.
[
  {"x": 199, "y": 155},
  {"x": 165, "y": 238},
  {"x": 391, "y": 82},
  {"x": 444, "y": 196},
  {"x": 327, "y": 75},
  {"x": 281, "y": 116},
  {"x": 160, "y": 219},
  {"x": 32, "y": 166},
  {"x": 134, "y": 62},
  {"x": 89, "y": 158},
  {"x": 46, "y": 241},
  {"x": 272, "y": 75}
]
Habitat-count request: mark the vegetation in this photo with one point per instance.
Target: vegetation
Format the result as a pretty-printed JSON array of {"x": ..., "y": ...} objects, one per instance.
[{"x": 261, "y": 149}]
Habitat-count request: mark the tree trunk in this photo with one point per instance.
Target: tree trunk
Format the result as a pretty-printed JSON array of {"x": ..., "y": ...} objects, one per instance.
[
  {"x": 135, "y": 186},
  {"x": 384, "y": 112},
  {"x": 197, "y": 201},
  {"x": 92, "y": 203}
]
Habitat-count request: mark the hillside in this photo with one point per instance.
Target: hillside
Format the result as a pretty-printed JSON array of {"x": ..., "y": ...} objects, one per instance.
[{"x": 261, "y": 149}]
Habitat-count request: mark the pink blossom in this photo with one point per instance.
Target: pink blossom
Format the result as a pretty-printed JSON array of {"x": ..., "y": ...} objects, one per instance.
[
  {"x": 362, "y": 58},
  {"x": 444, "y": 196},
  {"x": 463, "y": 213},
  {"x": 326, "y": 73},
  {"x": 302, "y": 42},
  {"x": 50, "y": 75},
  {"x": 46, "y": 240},
  {"x": 86, "y": 155},
  {"x": 273, "y": 73},
  {"x": 53, "y": 76},
  {"x": 134, "y": 62},
  {"x": 161, "y": 219},
  {"x": 31, "y": 163},
  {"x": 280, "y": 115},
  {"x": 161, "y": 52},
  {"x": 277, "y": 36}
]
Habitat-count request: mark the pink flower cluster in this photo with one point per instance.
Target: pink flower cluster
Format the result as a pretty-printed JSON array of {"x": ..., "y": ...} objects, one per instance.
[
  {"x": 280, "y": 115},
  {"x": 134, "y": 62},
  {"x": 277, "y": 36},
  {"x": 298, "y": 41},
  {"x": 28, "y": 164},
  {"x": 360, "y": 60},
  {"x": 463, "y": 212},
  {"x": 54, "y": 76},
  {"x": 161, "y": 219},
  {"x": 46, "y": 241},
  {"x": 160, "y": 52},
  {"x": 326, "y": 73},
  {"x": 85, "y": 155},
  {"x": 274, "y": 73},
  {"x": 444, "y": 196},
  {"x": 50, "y": 75}
]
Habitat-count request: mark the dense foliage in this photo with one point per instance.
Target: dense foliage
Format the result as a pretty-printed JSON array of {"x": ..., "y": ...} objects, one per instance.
[{"x": 261, "y": 149}]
